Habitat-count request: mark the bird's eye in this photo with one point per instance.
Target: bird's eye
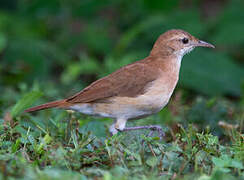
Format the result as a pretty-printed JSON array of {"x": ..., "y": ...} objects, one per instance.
[{"x": 185, "y": 40}]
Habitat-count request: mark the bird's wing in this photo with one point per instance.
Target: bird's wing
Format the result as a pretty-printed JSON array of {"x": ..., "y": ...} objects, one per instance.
[{"x": 128, "y": 81}]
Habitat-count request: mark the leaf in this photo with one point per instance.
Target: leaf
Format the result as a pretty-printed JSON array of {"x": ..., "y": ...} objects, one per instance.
[
  {"x": 3, "y": 42},
  {"x": 204, "y": 177},
  {"x": 211, "y": 73},
  {"x": 236, "y": 164},
  {"x": 225, "y": 161},
  {"x": 155, "y": 25},
  {"x": 96, "y": 38},
  {"x": 86, "y": 65},
  {"x": 152, "y": 161},
  {"x": 107, "y": 176},
  {"x": 95, "y": 126},
  {"x": 159, "y": 5},
  {"x": 110, "y": 66},
  {"x": 47, "y": 139},
  {"x": 25, "y": 102},
  {"x": 129, "y": 36},
  {"x": 230, "y": 25},
  {"x": 134, "y": 155}
]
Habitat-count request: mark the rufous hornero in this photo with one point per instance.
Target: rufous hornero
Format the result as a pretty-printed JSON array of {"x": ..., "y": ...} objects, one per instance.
[{"x": 136, "y": 90}]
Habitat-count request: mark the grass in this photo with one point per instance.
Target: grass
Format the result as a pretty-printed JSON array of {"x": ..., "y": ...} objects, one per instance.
[{"x": 203, "y": 141}]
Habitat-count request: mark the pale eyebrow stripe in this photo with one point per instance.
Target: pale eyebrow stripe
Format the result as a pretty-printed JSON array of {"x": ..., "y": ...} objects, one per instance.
[{"x": 176, "y": 37}]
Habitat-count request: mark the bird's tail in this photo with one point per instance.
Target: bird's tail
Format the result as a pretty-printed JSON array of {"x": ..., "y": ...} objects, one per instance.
[{"x": 53, "y": 104}]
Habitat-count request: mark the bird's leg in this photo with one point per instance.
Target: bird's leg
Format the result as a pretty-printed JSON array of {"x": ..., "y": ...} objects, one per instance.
[
  {"x": 118, "y": 125},
  {"x": 113, "y": 130},
  {"x": 151, "y": 127}
]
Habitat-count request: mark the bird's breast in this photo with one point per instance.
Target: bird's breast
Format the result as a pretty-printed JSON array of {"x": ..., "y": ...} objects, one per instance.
[{"x": 158, "y": 95}]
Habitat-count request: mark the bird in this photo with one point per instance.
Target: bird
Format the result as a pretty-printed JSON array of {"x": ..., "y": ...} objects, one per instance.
[{"x": 136, "y": 90}]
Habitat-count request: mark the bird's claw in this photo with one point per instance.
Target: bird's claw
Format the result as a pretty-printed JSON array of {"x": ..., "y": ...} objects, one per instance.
[{"x": 158, "y": 129}]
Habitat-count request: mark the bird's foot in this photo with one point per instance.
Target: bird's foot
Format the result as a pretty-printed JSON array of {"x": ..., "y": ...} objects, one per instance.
[
  {"x": 117, "y": 126},
  {"x": 113, "y": 130},
  {"x": 153, "y": 128}
]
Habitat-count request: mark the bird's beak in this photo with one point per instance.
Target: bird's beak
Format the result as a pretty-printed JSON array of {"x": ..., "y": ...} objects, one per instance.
[{"x": 204, "y": 44}]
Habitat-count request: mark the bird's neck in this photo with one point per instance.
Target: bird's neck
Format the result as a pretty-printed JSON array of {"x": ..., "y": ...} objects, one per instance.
[
  {"x": 173, "y": 65},
  {"x": 169, "y": 64},
  {"x": 168, "y": 68},
  {"x": 177, "y": 61}
]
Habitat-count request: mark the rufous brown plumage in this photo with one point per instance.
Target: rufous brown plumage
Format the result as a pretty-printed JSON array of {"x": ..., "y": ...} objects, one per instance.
[{"x": 138, "y": 89}]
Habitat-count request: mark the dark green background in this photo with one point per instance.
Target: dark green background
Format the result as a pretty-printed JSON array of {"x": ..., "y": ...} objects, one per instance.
[{"x": 69, "y": 44}]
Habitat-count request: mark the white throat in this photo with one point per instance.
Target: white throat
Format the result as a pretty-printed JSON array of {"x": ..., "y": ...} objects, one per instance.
[
  {"x": 181, "y": 53},
  {"x": 179, "y": 59}
]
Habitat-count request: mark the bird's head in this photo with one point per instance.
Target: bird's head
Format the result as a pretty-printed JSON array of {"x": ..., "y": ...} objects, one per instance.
[{"x": 177, "y": 42}]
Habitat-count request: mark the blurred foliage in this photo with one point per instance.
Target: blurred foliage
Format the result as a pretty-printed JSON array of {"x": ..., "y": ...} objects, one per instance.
[
  {"x": 65, "y": 40},
  {"x": 55, "y": 48}
]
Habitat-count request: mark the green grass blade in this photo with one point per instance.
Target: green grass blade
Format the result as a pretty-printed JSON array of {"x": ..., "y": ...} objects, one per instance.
[{"x": 25, "y": 102}]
